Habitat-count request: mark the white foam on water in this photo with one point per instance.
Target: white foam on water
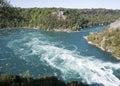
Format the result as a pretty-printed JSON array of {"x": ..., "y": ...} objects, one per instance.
[{"x": 70, "y": 63}]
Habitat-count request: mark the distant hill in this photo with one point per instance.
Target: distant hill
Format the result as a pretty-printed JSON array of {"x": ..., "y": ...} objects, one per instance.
[{"x": 108, "y": 40}]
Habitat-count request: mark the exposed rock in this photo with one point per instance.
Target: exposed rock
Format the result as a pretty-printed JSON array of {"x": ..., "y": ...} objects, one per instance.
[
  {"x": 59, "y": 14},
  {"x": 62, "y": 30},
  {"x": 115, "y": 25}
]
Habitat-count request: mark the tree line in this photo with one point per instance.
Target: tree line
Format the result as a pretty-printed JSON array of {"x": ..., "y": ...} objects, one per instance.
[{"x": 54, "y": 18}]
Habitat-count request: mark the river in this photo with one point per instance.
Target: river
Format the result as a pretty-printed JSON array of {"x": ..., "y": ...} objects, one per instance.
[{"x": 66, "y": 55}]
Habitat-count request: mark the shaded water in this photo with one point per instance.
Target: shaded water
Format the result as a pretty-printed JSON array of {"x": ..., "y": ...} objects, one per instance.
[{"x": 65, "y": 55}]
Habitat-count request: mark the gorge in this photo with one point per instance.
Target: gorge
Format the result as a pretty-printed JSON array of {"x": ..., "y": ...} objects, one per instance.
[{"x": 66, "y": 55}]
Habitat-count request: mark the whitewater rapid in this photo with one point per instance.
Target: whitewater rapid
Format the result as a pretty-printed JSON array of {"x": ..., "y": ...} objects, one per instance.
[{"x": 34, "y": 49}]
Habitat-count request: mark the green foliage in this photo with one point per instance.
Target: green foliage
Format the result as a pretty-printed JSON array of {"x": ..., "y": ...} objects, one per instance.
[
  {"x": 73, "y": 19},
  {"x": 54, "y": 18},
  {"x": 13, "y": 80},
  {"x": 9, "y": 16},
  {"x": 109, "y": 40},
  {"x": 9, "y": 80}
]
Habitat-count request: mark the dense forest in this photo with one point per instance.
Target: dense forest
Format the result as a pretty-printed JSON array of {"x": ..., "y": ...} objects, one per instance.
[
  {"x": 54, "y": 18},
  {"x": 9, "y": 16}
]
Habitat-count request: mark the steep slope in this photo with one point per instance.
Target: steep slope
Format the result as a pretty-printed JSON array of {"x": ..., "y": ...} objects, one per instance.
[{"x": 108, "y": 40}]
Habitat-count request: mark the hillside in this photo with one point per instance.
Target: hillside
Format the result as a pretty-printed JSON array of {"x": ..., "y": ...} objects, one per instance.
[
  {"x": 72, "y": 19},
  {"x": 108, "y": 40},
  {"x": 54, "y": 18}
]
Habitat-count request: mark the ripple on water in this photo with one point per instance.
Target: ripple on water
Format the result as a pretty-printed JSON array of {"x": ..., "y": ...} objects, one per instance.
[{"x": 36, "y": 49}]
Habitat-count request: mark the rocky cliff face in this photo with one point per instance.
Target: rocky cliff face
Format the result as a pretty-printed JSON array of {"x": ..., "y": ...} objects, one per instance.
[{"x": 108, "y": 40}]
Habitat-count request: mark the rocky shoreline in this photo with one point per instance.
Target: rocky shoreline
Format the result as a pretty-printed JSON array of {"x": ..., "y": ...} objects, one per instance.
[
  {"x": 62, "y": 30},
  {"x": 94, "y": 44}
]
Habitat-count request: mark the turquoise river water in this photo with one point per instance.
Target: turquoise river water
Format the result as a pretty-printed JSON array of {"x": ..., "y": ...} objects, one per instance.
[{"x": 66, "y": 55}]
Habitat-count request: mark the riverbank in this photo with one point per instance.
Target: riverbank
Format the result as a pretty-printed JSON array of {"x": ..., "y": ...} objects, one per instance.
[
  {"x": 94, "y": 44},
  {"x": 54, "y": 29},
  {"x": 15, "y": 80},
  {"x": 36, "y": 28},
  {"x": 100, "y": 47},
  {"x": 62, "y": 30},
  {"x": 108, "y": 40}
]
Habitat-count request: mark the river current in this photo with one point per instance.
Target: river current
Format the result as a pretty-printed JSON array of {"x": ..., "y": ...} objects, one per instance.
[{"x": 66, "y": 55}]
